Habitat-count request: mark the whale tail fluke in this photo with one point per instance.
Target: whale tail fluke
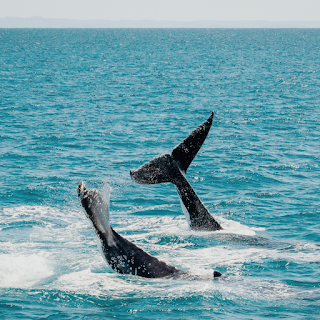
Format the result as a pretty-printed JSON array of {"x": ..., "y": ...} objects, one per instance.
[
  {"x": 185, "y": 152},
  {"x": 157, "y": 170},
  {"x": 168, "y": 167}
]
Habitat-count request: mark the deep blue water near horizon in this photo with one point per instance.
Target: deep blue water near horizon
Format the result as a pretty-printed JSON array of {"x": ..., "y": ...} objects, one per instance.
[{"x": 91, "y": 104}]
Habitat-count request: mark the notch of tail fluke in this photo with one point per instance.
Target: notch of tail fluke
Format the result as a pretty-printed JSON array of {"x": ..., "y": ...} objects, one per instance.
[{"x": 185, "y": 152}]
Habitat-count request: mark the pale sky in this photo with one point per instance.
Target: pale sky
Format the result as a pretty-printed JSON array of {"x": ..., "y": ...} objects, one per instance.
[{"x": 177, "y": 10}]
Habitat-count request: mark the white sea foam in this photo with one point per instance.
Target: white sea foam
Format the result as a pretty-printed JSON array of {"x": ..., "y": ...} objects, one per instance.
[
  {"x": 235, "y": 227},
  {"x": 44, "y": 214},
  {"x": 119, "y": 287},
  {"x": 110, "y": 284},
  {"x": 61, "y": 253},
  {"x": 23, "y": 271},
  {"x": 179, "y": 225}
]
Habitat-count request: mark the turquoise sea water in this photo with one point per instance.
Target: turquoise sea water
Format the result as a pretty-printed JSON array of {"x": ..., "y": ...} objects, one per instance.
[{"x": 92, "y": 104}]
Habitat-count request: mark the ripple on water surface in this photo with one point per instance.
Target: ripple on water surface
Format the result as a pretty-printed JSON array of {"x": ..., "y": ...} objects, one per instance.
[{"x": 93, "y": 104}]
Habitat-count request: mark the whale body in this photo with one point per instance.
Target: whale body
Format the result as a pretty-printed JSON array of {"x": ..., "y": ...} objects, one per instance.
[
  {"x": 172, "y": 168},
  {"x": 122, "y": 255}
]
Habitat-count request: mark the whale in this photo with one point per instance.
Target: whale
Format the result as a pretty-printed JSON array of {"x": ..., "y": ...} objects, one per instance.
[
  {"x": 122, "y": 255},
  {"x": 172, "y": 168}
]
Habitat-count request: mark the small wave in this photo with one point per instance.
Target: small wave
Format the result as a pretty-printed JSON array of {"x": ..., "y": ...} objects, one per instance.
[
  {"x": 235, "y": 227},
  {"x": 64, "y": 256}
]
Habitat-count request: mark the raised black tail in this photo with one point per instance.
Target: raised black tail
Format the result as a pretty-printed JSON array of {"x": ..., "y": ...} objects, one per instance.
[
  {"x": 158, "y": 170},
  {"x": 172, "y": 168},
  {"x": 167, "y": 168},
  {"x": 185, "y": 152}
]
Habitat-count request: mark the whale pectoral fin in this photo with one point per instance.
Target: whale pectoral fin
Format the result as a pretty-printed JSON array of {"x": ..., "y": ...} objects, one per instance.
[{"x": 185, "y": 152}]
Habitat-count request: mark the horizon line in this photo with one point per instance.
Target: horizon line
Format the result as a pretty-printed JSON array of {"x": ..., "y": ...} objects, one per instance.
[
  {"x": 40, "y": 22},
  {"x": 161, "y": 20}
]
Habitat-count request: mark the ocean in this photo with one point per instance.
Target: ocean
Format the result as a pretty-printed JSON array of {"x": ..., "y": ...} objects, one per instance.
[{"x": 92, "y": 104}]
